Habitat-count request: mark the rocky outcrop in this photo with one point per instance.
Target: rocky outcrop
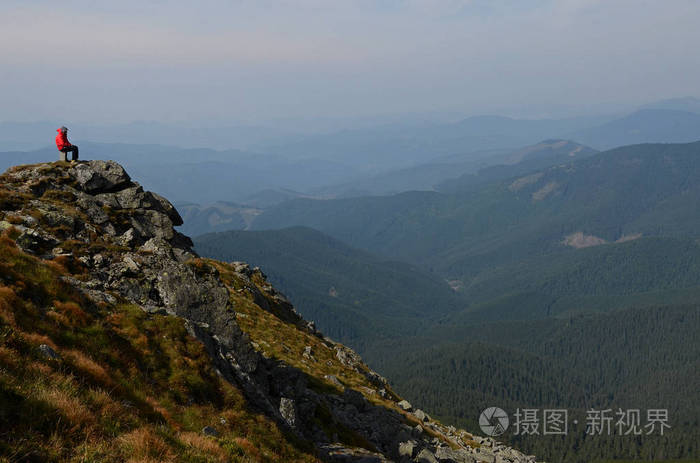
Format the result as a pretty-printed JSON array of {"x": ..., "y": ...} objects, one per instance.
[{"x": 123, "y": 245}]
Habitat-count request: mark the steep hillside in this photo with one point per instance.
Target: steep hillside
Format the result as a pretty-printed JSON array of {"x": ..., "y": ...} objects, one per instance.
[
  {"x": 119, "y": 344},
  {"x": 217, "y": 217},
  {"x": 351, "y": 294}
]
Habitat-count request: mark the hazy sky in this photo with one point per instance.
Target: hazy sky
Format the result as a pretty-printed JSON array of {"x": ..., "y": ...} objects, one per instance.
[{"x": 255, "y": 60}]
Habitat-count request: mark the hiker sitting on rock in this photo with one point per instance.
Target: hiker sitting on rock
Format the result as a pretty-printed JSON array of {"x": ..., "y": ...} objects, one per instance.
[{"x": 64, "y": 146}]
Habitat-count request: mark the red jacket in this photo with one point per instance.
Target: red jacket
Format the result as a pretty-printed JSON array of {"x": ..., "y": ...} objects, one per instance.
[{"x": 62, "y": 140}]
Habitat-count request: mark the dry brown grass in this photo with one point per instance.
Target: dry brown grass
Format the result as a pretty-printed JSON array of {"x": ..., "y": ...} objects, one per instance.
[
  {"x": 58, "y": 264},
  {"x": 9, "y": 357},
  {"x": 73, "y": 312},
  {"x": 156, "y": 406},
  {"x": 89, "y": 367},
  {"x": 37, "y": 339},
  {"x": 59, "y": 318},
  {"x": 111, "y": 397},
  {"x": 8, "y": 301},
  {"x": 14, "y": 219},
  {"x": 143, "y": 444},
  {"x": 40, "y": 368},
  {"x": 77, "y": 414},
  {"x": 204, "y": 444},
  {"x": 249, "y": 448}
]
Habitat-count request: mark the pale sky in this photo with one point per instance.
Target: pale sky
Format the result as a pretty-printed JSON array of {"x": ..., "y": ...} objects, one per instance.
[{"x": 257, "y": 60}]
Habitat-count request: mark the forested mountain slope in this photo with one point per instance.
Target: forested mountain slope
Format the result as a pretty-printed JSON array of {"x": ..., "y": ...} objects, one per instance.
[
  {"x": 629, "y": 359},
  {"x": 351, "y": 294}
]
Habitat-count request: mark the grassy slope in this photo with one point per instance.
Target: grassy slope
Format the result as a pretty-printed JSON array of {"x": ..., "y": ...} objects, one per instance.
[
  {"x": 127, "y": 386},
  {"x": 135, "y": 386}
]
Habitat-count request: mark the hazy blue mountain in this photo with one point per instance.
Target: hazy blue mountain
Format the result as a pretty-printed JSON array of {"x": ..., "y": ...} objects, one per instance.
[
  {"x": 642, "y": 189},
  {"x": 391, "y": 147},
  {"x": 422, "y": 177},
  {"x": 486, "y": 165},
  {"x": 689, "y": 104},
  {"x": 643, "y": 126},
  {"x": 271, "y": 197},
  {"x": 519, "y": 162},
  {"x": 618, "y": 229},
  {"x": 351, "y": 294},
  {"x": 206, "y": 176}
]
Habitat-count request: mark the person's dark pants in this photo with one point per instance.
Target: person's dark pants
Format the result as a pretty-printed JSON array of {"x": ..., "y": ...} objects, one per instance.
[{"x": 73, "y": 150}]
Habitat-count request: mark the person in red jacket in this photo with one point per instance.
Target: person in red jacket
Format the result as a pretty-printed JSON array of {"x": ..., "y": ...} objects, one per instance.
[{"x": 64, "y": 146}]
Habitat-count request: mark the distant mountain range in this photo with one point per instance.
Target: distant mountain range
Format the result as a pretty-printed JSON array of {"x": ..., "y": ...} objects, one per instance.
[
  {"x": 689, "y": 104},
  {"x": 431, "y": 175},
  {"x": 532, "y": 245},
  {"x": 646, "y": 189},
  {"x": 204, "y": 176},
  {"x": 519, "y": 162},
  {"x": 643, "y": 126},
  {"x": 390, "y": 148},
  {"x": 372, "y": 161}
]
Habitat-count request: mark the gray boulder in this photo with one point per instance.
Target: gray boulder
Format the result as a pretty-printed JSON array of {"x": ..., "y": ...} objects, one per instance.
[
  {"x": 405, "y": 405},
  {"x": 421, "y": 415},
  {"x": 99, "y": 176},
  {"x": 425, "y": 456},
  {"x": 446, "y": 454},
  {"x": 48, "y": 352},
  {"x": 407, "y": 449},
  {"x": 288, "y": 411}
]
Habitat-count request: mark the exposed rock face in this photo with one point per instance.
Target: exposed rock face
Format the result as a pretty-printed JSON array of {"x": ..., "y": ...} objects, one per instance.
[
  {"x": 124, "y": 238},
  {"x": 99, "y": 176}
]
